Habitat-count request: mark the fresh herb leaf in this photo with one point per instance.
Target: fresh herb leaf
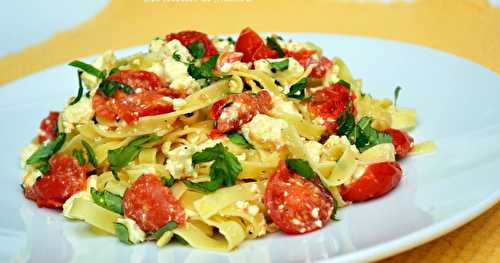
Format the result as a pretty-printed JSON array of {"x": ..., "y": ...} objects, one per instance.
[
  {"x": 79, "y": 157},
  {"x": 301, "y": 167},
  {"x": 40, "y": 158},
  {"x": 239, "y": 139},
  {"x": 113, "y": 71},
  {"x": 180, "y": 240},
  {"x": 121, "y": 157},
  {"x": 122, "y": 233},
  {"x": 223, "y": 171},
  {"x": 167, "y": 181},
  {"x": 88, "y": 68},
  {"x": 205, "y": 70},
  {"x": 344, "y": 83},
  {"x": 272, "y": 43},
  {"x": 80, "y": 89},
  {"x": 90, "y": 153},
  {"x": 297, "y": 90},
  {"x": 396, "y": 95},
  {"x": 197, "y": 49},
  {"x": 335, "y": 209},
  {"x": 107, "y": 200},
  {"x": 169, "y": 226},
  {"x": 109, "y": 87},
  {"x": 230, "y": 40},
  {"x": 279, "y": 65},
  {"x": 177, "y": 57}
]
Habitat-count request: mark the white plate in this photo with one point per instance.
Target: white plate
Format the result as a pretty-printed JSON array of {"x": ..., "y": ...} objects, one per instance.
[{"x": 457, "y": 103}]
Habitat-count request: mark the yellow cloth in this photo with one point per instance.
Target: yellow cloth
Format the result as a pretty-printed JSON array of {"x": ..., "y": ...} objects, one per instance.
[{"x": 468, "y": 28}]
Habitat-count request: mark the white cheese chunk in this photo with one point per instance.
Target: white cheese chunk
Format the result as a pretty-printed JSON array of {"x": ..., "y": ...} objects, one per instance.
[
  {"x": 135, "y": 234},
  {"x": 185, "y": 84},
  {"x": 179, "y": 162},
  {"x": 223, "y": 45},
  {"x": 30, "y": 176},
  {"x": 265, "y": 131},
  {"x": 79, "y": 113}
]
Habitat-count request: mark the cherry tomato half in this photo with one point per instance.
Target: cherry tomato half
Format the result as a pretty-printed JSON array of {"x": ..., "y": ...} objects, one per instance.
[
  {"x": 296, "y": 205},
  {"x": 401, "y": 140},
  {"x": 253, "y": 46},
  {"x": 189, "y": 37},
  {"x": 48, "y": 127},
  {"x": 377, "y": 180}
]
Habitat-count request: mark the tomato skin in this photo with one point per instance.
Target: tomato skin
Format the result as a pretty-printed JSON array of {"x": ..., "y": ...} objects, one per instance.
[
  {"x": 322, "y": 67},
  {"x": 227, "y": 58},
  {"x": 253, "y": 46},
  {"x": 402, "y": 141},
  {"x": 304, "y": 57},
  {"x": 329, "y": 102},
  {"x": 146, "y": 100},
  {"x": 237, "y": 109},
  {"x": 151, "y": 204},
  {"x": 296, "y": 205},
  {"x": 64, "y": 179},
  {"x": 377, "y": 180},
  {"x": 48, "y": 127},
  {"x": 188, "y": 37}
]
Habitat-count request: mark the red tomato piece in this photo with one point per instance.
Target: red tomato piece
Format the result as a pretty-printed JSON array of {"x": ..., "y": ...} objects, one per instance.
[
  {"x": 151, "y": 204},
  {"x": 64, "y": 179},
  {"x": 304, "y": 57},
  {"x": 147, "y": 99},
  {"x": 227, "y": 58},
  {"x": 402, "y": 141},
  {"x": 253, "y": 46},
  {"x": 237, "y": 109},
  {"x": 48, "y": 127},
  {"x": 377, "y": 180},
  {"x": 296, "y": 205},
  {"x": 188, "y": 37},
  {"x": 329, "y": 102}
]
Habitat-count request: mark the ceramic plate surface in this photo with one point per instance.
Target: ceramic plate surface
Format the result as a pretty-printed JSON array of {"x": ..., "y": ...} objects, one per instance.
[{"x": 457, "y": 106}]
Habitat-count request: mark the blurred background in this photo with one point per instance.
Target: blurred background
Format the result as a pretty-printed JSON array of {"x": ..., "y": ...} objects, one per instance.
[{"x": 39, "y": 34}]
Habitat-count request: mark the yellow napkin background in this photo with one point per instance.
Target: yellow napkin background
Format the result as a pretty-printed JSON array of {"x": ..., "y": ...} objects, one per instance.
[{"x": 468, "y": 28}]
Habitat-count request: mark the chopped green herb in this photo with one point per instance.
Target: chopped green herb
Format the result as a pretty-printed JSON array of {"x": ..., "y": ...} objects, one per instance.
[
  {"x": 297, "y": 90},
  {"x": 180, "y": 240},
  {"x": 301, "y": 167},
  {"x": 239, "y": 139},
  {"x": 223, "y": 170},
  {"x": 122, "y": 233},
  {"x": 90, "y": 153},
  {"x": 40, "y": 158},
  {"x": 344, "y": 83},
  {"x": 335, "y": 209},
  {"x": 80, "y": 89},
  {"x": 167, "y": 181},
  {"x": 113, "y": 71},
  {"x": 361, "y": 134},
  {"x": 197, "y": 49},
  {"x": 281, "y": 65},
  {"x": 396, "y": 95},
  {"x": 121, "y": 157},
  {"x": 107, "y": 200},
  {"x": 168, "y": 227},
  {"x": 205, "y": 70},
  {"x": 109, "y": 87},
  {"x": 272, "y": 43},
  {"x": 88, "y": 68},
  {"x": 177, "y": 57},
  {"x": 79, "y": 157}
]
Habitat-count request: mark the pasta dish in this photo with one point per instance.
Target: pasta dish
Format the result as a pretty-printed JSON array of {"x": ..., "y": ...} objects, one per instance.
[{"x": 213, "y": 141}]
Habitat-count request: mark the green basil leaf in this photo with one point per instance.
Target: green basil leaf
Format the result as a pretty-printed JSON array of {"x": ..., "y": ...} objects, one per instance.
[
  {"x": 167, "y": 181},
  {"x": 109, "y": 87},
  {"x": 224, "y": 170},
  {"x": 80, "y": 90},
  {"x": 177, "y": 57},
  {"x": 121, "y": 157},
  {"x": 344, "y": 83},
  {"x": 168, "y": 227},
  {"x": 180, "y": 240},
  {"x": 40, "y": 157},
  {"x": 197, "y": 49},
  {"x": 297, "y": 90},
  {"x": 239, "y": 139},
  {"x": 90, "y": 153},
  {"x": 107, "y": 200},
  {"x": 281, "y": 65},
  {"x": 79, "y": 157},
  {"x": 301, "y": 167},
  {"x": 272, "y": 43},
  {"x": 205, "y": 71},
  {"x": 122, "y": 233},
  {"x": 335, "y": 209},
  {"x": 113, "y": 71},
  {"x": 88, "y": 68},
  {"x": 396, "y": 95}
]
